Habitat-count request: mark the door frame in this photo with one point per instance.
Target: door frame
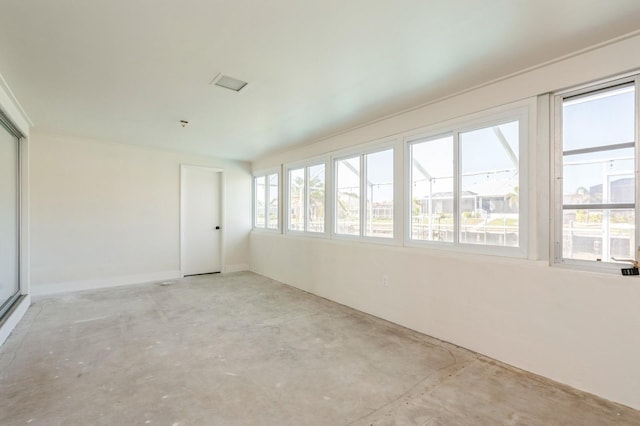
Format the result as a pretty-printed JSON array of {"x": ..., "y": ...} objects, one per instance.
[
  {"x": 21, "y": 224},
  {"x": 222, "y": 192}
]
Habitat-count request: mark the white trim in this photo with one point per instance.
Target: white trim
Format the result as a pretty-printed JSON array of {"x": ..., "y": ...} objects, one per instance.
[
  {"x": 183, "y": 168},
  {"x": 223, "y": 221},
  {"x": 308, "y": 162},
  {"x": 466, "y": 122},
  {"x": 637, "y": 171},
  {"x": 398, "y": 192},
  {"x": 369, "y": 147},
  {"x": 13, "y": 317},
  {"x": 79, "y": 285},
  {"x": 10, "y": 105},
  {"x": 555, "y": 249},
  {"x": 539, "y": 179},
  {"x": 456, "y": 189},
  {"x": 25, "y": 270}
]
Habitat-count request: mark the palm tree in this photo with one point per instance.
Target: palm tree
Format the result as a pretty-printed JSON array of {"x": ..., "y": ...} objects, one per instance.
[
  {"x": 582, "y": 195},
  {"x": 513, "y": 199},
  {"x": 316, "y": 199}
]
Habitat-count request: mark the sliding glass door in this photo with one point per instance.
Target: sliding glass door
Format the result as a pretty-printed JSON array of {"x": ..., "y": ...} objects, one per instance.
[{"x": 9, "y": 218}]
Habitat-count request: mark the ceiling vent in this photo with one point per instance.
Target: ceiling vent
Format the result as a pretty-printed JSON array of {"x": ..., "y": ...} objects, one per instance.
[{"x": 229, "y": 82}]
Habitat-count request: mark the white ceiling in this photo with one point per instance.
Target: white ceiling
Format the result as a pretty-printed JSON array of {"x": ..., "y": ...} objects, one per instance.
[{"x": 129, "y": 71}]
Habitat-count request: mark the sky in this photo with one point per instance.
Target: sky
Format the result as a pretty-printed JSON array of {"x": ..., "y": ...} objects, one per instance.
[{"x": 601, "y": 119}]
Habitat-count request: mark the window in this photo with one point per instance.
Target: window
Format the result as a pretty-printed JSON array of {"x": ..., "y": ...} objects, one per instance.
[
  {"x": 348, "y": 196},
  {"x": 432, "y": 212},
  {"x": 489, "y": 185},
  {"x": 260, "y": 210},
  {"x": 379, "y": 194},
  {"x": 465, "y": 187},
  {"x": 266, "y": 201},
  {"x": 316, "y": 198},
  {"x": 297, "y": 190},
  {"x": 273, "y": 207},
  {"x": 306, "y": 199},
  {"x": 364, "y": 195},
  {"x": 596, "y": 169}
]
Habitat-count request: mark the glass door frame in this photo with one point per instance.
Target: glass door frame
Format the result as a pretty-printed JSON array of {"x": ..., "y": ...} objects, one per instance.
[{"x": 6, "y": 305}]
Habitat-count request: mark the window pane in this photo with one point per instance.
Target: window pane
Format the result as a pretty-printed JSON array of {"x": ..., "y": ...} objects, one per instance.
[
  {"x": 599, "y": 177},
  {"x": 489, "y": 192},
  {"x": 599, "y": 119},
  {"x": 273, "y": 202},
  {"x": 316, "y": 199},
  {"x": 432, "y": 190},
  {"x": 296, "y": 199},
  {"x": 598, "y": 234},
  {"x": 348, "y": 196},
  {"x": 259, "y": 201},
  {"x": 379, "y": 193}
]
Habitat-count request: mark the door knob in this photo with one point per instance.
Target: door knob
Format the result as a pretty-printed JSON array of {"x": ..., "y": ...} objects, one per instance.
[{"x": 217, "y": 227}]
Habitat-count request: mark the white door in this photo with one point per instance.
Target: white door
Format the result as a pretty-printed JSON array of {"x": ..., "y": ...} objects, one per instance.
[{"x": 200, "y": 220}]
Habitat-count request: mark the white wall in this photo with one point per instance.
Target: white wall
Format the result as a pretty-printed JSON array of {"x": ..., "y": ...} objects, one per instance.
[
  {"x": 105, "y": 214},
  {"x": 580, "y": 328}
]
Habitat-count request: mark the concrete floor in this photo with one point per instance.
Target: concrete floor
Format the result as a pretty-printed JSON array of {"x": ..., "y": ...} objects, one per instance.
[{"x": 240, "y": 349}]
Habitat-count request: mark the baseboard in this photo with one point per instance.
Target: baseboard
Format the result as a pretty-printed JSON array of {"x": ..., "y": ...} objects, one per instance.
[
  {"x": 240, "y": 267},
  {"x": 13, "y": 317},
  {"x": 69, "y": 286}
]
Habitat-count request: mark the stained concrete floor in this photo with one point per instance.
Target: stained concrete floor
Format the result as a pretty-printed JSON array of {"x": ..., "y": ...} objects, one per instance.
[{"x": 241, "y": 349}]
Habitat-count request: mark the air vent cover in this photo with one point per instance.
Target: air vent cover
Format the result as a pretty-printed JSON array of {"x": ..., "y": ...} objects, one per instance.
[{"x": 229, "y": 83}]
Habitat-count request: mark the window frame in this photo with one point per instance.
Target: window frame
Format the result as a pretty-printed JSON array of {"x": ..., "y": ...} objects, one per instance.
[
  {"x": 455, "y": 128},
  {"x": 361, "y": 151},
  {"x": 557, "y": 99},
  {"x": 265, "y": 174},
  {"x": 306, "y": 165}
]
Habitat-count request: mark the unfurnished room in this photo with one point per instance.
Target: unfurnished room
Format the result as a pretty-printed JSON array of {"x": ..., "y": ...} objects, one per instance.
[{"x": 297, "y": 212}]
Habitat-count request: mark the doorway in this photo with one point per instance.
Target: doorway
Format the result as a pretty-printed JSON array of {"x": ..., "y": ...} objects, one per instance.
[
  {"x": 9, "y": 216},
  {"x": 200, "y": 220}
]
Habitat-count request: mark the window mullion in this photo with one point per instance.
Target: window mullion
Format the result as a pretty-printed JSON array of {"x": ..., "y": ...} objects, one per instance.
[
  {"x": 254, "y": 210},
  {"x": 267, "y": 199},
  {"x": 328, "y": 198},
  {"x": 636, "y": 250},
  {"x": 334, "y": 197},
  {"x": 599, "y": 148},
  {"x": 557, "y": 183},
  {"x": 456, "y": 187},
  {"x": 363, "y": 196},
  {"x": 305, "y": 208},
  {"x": 605, "y": 206}
]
